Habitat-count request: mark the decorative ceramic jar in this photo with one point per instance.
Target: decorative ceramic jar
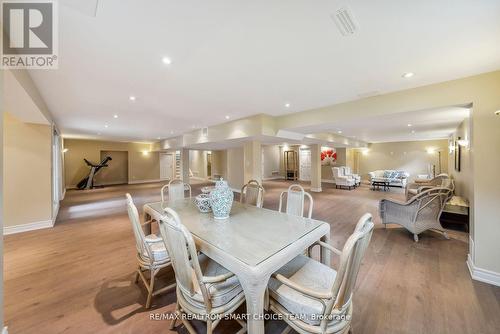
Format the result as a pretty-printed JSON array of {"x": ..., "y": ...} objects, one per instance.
[
  {"x": 202, "y": 202},
  {"x": 221, "y": 200}
]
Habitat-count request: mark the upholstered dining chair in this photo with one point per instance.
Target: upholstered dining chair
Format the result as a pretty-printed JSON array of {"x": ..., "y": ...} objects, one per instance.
[
  {"x": 314, "y": 298},
  {"x": 205, "y": 289},
  {"x": 152, "y": 254},
  {"x": 412, "y": 189},
  {"x": 420, "y": 213},
  {"x": 252, "y": 193},
  {"x": 342, "y": 180},
  {"x": 176, "y": 189},
  {"x": 295, "y": 197}
]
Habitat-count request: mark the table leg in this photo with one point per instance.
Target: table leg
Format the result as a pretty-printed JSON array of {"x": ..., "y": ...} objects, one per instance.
[
  {"x": 325, "y": 257},
  {"x": 255, "y": 288}
]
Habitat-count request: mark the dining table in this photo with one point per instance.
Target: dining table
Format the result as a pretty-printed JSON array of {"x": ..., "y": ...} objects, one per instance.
[{"x": 252, "y": 243}]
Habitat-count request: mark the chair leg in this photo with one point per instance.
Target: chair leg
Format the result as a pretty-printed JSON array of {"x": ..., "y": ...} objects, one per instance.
[
  {"x": 209, "y": 326},
  {"x": 446, "y": 235},
  {"x": 150, "y": 290},
  {"x": 136, "y": 279},
  {"x": 287, "y": 330},
  {"x": 415, "y": 237},
  {"x": 177, "y": 314}
]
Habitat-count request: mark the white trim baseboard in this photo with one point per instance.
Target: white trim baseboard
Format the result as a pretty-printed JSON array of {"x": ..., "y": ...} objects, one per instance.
[
  {"x": 146, "y": 181},
  {"x": 482, "y": 275},
  {"x": 27, "y": 227},
  {"x": 55, "y": 213},
  {"x": 327, "y": 181},
  {"x": 316, "y": 190},
  {"x": 273, "y": 178}
]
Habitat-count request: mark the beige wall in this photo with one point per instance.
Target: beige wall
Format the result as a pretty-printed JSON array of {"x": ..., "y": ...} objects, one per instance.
[
  {"x": 198, "y": 163},
  {"x": 235, "y": 167},
  {"x": 463, "y": 184},
  {"x": 272, "y": 156},
  {"x": 27, "y": 172},
  {"x": 117, "y": 170},
  {"x": 219, "y": 163},
  {"x": 141, "y": 166},
  {"x": 411, "y": 156}
]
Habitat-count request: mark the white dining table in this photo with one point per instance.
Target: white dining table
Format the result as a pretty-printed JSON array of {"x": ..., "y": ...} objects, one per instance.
[{"x": 252, "y": 243}]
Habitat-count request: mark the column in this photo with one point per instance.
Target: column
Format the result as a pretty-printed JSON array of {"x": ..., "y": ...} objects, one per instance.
[
  {"x": 185, "y": 165},
  {"x": 252, "y": 151},
  {"x": 315, "y": 167}
]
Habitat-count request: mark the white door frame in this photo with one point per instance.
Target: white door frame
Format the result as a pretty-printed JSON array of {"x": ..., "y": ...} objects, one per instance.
[
  {"x": 301, "y": 174},
  {"x": 172, "y": 173}
]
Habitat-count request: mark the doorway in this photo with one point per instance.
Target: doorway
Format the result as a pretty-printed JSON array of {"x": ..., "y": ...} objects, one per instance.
[
  {"x": 166, "y": 166},
  {"x": 305, "y": 164},
  {"x": 209, "y": 165},
  {"x": 117, "y": 170}
]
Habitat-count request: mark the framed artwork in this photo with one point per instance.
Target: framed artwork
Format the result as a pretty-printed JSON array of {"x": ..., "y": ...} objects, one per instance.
[{"x": 458, "y": 154}]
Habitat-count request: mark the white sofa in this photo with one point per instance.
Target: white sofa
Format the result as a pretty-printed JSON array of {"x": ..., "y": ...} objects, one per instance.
[{"x": 396, "y": 178}]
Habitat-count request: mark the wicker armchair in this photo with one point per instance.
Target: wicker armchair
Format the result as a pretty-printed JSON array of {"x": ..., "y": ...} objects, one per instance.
[
  {"x": 152, "y": 254},
  {"x": 295, "y": 197},
  {"x": 176, "y": 189},
  {"x": 314, "y": 298},
  {"x": 418, "y": 186},
  {"x": 419, "y": 214},
  {"x": 252, "y": 193},
  {"x": 205, "y": 290}
]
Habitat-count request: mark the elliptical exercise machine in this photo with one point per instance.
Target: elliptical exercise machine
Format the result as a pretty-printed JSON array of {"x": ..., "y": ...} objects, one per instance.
[{"x": 88, "y": 181}]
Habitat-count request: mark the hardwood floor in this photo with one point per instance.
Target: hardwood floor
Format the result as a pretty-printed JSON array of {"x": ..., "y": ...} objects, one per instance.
[{"x": 78, "y": 276}]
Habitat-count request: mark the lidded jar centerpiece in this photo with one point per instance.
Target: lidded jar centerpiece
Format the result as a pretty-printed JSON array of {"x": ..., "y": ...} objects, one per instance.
[{"x": 221, "y": 199}]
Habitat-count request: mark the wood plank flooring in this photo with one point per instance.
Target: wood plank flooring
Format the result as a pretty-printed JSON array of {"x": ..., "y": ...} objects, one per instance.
[{"x": 78, "y": 276}]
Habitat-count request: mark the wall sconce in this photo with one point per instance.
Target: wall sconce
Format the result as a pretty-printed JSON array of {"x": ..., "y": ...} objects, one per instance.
[
  {"x": 431, "y": 150},
  {"x": 497, "y": 112},
  {"x": 145, "y": 152},
  {"x": 463, "y": 142},
  {"x": 365, "y": 151},
  {"x": 65, "y": 150}
]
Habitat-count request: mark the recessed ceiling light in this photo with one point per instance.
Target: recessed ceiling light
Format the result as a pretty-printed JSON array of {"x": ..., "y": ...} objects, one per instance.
[
  {"x": 132, "y": 98},
  {"x": 171, "y": 132},
  {"x": 412, "y": 131},
  {"x": 408, "y": 75},
  {"x": 409, "y": 125},
  {"x": 115, "y": 116},
  {"x": 227, "y": 117},
  {"x": 497, "y": 112},
  {"x": 166, "y": 60},
  {"x": 287, "y": 105},
  {"x": 98, "y": 133},
  {"x": 158, "y": 137},
  {"x": 105, "y": 125},
  {"x": 340, "y": 131}
]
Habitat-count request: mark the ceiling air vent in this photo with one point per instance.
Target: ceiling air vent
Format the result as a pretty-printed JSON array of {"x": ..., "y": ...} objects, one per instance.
[{"x": 345, "y": 22}]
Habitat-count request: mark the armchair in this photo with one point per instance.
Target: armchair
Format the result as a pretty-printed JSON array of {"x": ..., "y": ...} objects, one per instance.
[
  {"x": 341, "y": 180},
  {"x": 205, "y": 289},
  {"x": 314, "y": 298},
  {"x": 414, "y": 188},
  {"x": 419, "y": 214},
  {"x": 347, "y": 172}
]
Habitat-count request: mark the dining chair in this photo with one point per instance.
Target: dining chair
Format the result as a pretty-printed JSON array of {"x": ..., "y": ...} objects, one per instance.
[
  {"x": 205, "y": 289},
  {"x": 252, "y": 193},
  {"x": 420, "y": 213},
  {"x": 312, "y": 297},
  {"x": 176, "y": 189},
  {"x": 295, "y": 197},
  {"x": 152, "y": 254}
]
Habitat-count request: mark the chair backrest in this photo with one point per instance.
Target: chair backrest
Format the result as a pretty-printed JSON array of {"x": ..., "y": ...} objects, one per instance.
[
  {"x": 350, "y": 262},
  {"x": 430, "y": 203},
  {"x": 176, "y": 189},
  {"x": 141, "y": 245},
  {"x": 439, "y": 179},
  {"x": 252, "y": 193},
  {"x": 295, "y": 197},
  {"x": 337, "y": 172},
  {"x": 183, "y": 254}
]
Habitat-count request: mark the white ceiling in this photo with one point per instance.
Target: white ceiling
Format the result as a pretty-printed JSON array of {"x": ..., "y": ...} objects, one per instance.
[
  {"x": 241, "y": 58},
  {"x": 424, "y": 125}
]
